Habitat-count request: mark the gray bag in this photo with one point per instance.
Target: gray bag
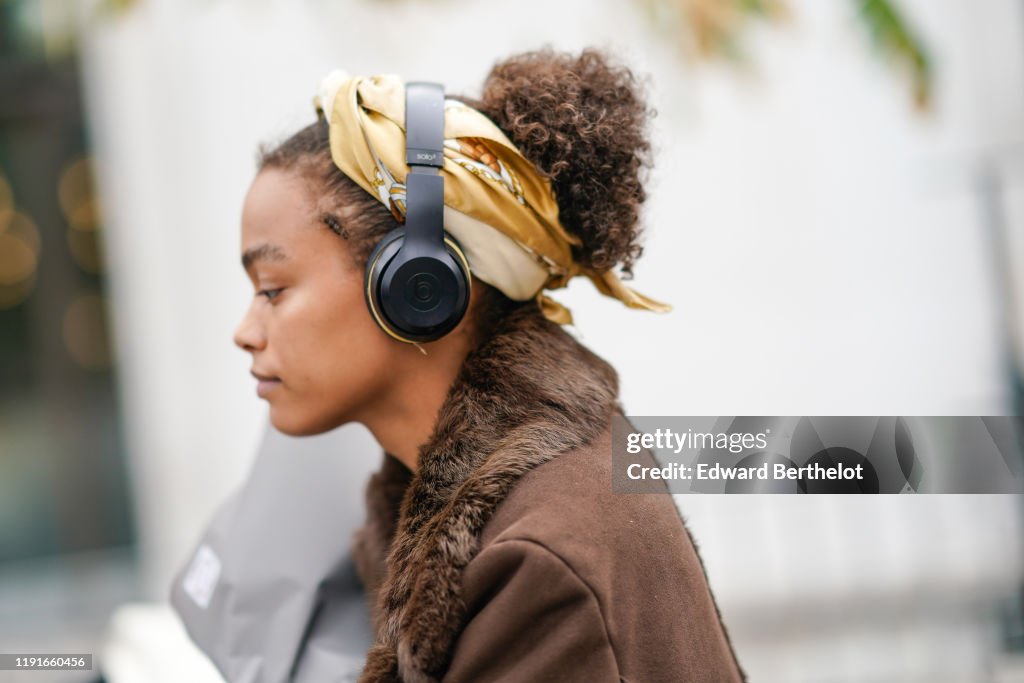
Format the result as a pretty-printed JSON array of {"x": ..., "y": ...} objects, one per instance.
[{"x": 270, "y": 593}]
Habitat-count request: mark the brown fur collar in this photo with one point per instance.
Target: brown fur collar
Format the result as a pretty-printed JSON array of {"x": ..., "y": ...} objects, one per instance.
[{"x": 525, "y": 395}]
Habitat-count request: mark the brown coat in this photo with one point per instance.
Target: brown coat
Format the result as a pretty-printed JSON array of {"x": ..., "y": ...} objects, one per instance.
[{"x": 507, "y": 557}]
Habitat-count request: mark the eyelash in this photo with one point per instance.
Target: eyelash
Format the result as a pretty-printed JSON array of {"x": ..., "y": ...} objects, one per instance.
[{"x": 271, "y": 294}]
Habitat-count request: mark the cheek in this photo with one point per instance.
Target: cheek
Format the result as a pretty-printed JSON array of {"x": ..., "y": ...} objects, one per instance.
[
  {"x": 322, "y": 328},
  {"x": 334, "y": 357}
]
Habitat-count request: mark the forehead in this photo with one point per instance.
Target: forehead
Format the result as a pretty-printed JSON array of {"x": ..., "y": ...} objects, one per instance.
[
  {"x": 282, "y": 227},
  {"x": 279, "y": 208}
]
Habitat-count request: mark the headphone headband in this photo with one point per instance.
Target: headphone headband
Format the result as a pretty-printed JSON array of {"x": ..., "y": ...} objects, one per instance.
[
  {"x": 417, "y": 279},
  {"x": 424, "y": 124},
  {"x": 424, "y": 153}
]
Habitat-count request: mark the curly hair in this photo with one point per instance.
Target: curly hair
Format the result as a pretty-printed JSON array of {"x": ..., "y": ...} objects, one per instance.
[{"x": 580, "y": 119}]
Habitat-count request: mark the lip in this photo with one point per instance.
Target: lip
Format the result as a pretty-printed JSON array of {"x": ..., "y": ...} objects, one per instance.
[{"x": 265, "y": 384}]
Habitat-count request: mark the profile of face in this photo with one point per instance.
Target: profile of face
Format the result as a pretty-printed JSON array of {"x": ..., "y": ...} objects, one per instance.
[{"x": 320, "y": 358}]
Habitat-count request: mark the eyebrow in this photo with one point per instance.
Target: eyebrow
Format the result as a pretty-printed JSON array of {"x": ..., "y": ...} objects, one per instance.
[{"x": 262, "y": 252}]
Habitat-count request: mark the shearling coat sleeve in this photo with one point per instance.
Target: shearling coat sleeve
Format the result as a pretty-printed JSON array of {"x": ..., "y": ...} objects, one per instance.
[{"x": 530, "y": 618}]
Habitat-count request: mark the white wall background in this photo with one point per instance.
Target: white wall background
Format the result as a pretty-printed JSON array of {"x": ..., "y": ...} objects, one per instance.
[{"x": 823, "y": 245}]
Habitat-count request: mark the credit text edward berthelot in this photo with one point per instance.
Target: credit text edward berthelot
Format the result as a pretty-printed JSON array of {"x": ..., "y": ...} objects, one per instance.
[{"x": 736, "y": 442}]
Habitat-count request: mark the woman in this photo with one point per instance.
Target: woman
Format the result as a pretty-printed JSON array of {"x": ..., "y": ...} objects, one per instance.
[{"x": 494, "y": 548}]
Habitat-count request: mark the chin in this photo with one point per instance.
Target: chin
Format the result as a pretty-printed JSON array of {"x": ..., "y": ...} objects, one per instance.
[{"x": 300, "y": 425}]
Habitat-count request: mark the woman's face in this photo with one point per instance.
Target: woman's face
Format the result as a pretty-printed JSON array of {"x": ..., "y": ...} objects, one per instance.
[{"x": 308, "y": 328}]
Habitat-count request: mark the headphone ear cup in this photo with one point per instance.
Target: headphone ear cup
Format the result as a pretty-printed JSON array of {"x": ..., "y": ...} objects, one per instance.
[
  {"x": 459, "y": 257},
  {"x": 381, "y": 255},
  {"x": 387, "y": 314}
]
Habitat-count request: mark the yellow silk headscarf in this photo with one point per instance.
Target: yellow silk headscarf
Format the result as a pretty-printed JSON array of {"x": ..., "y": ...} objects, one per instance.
[{"x": 499, "y": 208}]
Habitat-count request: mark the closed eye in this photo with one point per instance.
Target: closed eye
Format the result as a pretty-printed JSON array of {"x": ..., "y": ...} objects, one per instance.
[{"x": 271, "y": 294}]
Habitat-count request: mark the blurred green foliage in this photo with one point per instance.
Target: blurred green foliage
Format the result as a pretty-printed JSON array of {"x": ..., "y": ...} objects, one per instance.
[
  {"x": 893, "y": 37},
  {"x": 716, "y": 29},
  {"x": 711, "y": 29}
]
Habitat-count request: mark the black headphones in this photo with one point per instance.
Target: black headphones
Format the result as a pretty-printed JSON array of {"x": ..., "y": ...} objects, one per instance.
[{"x": 418, "y": 279}]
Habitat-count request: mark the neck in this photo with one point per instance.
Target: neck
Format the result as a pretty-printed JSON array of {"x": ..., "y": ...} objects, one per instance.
[{"x": 405, "y": 418}]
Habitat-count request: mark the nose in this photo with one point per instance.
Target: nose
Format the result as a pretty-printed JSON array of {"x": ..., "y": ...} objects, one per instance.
[{"x": 250, "y": 334}]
